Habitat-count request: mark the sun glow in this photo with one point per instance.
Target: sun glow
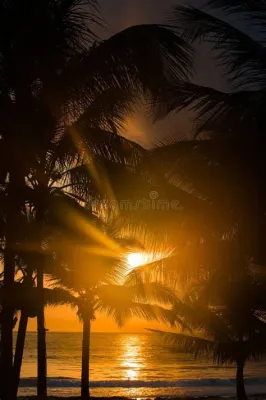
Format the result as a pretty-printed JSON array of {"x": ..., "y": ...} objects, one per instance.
[{"x": 135, "y": 260}]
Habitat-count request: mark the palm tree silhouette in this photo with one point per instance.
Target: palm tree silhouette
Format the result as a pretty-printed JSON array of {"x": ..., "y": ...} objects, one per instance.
[
  {"x": 219, "y": 338},
  {"x": 120, "y": 302},
  {"x": 94, "y": 271},
  {"x": 25, "y": 300},
  {"x": 227, "y": 310}
]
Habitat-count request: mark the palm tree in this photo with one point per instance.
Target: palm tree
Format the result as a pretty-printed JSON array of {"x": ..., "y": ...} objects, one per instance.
[
  {"x": 61, "y": 180},
  {"x": 25, "y": 299},
  {"x": 52, "y": 89},
  {"x": 234, "y": 118},
  {"x": 95, "y": 272},
  {"x": 25, "y": 303},
  {"x": 227, "y": 310},
  {"x": 217, "y": 337}
]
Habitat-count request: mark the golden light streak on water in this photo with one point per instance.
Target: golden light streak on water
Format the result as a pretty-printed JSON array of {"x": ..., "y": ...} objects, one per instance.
[{"x": 132, "y": 356}]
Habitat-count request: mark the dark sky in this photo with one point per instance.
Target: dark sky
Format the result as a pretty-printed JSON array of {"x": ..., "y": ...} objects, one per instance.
[{"x": 120, "y": 14}]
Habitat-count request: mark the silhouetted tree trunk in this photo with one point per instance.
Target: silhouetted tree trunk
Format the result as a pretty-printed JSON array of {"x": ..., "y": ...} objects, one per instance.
[
  {"x": 240, "y": 387},
  {"x": 19, "y": 349},
  {"x": 15, "y": 189},
  {"x": 41, "y": 332},
  {"x": 7, "y": 329},
  {"x": 22, "y": 330},
  {"x": 41, "y": 340},
  {"x": 85, "y": 391}
]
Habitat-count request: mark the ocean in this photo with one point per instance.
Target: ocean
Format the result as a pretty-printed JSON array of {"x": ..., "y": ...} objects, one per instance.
[{"x": 133, "y": 365}]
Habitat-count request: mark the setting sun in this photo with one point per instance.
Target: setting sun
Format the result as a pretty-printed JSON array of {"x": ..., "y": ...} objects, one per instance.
[{"x": 136, "y": 259}]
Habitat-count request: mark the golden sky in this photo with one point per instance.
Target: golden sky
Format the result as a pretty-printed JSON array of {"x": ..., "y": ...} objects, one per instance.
[{"x": 64, "y": 319}]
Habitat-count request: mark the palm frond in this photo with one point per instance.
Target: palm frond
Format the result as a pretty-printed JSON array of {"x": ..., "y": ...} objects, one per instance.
[
  {"x": 121, "y": 311},
  {"x": 188, "y": 344},
  {"x": 141, "y": 292},
  {"x": 108, "y": 108},
  {"x": 249, "y": 7},
  {"x": 220, "y": 352},
  {"x": 55, "y": 297},
  {"x": 124, "y": 61},
  {"x": 162, "y": 270},
  {"x": 242, "y": 57},
  {"x": 217, "y": 113}
]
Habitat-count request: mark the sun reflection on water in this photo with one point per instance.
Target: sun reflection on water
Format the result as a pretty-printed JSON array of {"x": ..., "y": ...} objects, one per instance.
[{"x": 132, "y": 361}]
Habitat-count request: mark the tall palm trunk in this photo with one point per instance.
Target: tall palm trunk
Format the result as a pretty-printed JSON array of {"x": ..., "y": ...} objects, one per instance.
[
  {"x": 85, "y": 391},
  {"x": 16, "y": 183},
  {"x": 41, "y": 340},
  {"x": 240, "y": 387},
  {"x": 7, "y": 330},
  {"x": 19, "y": 349},
  {"x": 21, "y": 336},
  {"x": 41, "y": 332}
]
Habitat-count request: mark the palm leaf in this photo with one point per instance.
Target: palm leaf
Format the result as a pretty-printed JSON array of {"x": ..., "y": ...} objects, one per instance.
[
  {"x": 123, "y": 310},
  {"x": 124, "y": 61},
  {"x": 141, "y": 292},
  {"x": 242, "y": 57},
  {"x": 249, "y": 7},
  {"x": 55, "y": 297},
  {"x": 188, "y": 344},
  {"x": 219, "y": 352}
]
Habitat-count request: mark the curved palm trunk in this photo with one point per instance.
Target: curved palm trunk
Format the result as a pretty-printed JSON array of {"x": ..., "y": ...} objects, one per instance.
[
  {"x": 240, "y": 387},
  {"x": 85, "y": 391},
  {"x": 41, "y": 341},
  {"x": 19, "y": 349}
]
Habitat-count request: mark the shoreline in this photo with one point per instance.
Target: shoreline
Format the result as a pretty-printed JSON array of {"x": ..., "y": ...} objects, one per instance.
[{"x": 251, "y": 397}]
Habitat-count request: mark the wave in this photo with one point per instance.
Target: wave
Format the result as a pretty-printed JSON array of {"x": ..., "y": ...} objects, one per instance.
[{"x": 63, "y": 382}]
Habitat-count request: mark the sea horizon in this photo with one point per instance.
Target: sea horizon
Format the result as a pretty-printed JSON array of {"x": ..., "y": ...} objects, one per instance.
[{"x": 131, "y": 365}]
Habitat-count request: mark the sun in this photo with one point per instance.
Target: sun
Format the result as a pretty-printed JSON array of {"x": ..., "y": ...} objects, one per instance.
[{"x": 135, "y": 260}]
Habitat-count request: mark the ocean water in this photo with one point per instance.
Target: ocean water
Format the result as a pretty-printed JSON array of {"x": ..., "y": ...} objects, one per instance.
[{"x": 134, "y": 365}]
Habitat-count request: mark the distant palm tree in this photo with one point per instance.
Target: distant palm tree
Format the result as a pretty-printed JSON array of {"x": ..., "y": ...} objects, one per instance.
[
  {"x": 51, "y": 90},
  {"x": 216, "y": 338},
  {"x": 225, "y": 335},
  {"x": 95, "y": 272},
  {"x": 227, "y": 310}
]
